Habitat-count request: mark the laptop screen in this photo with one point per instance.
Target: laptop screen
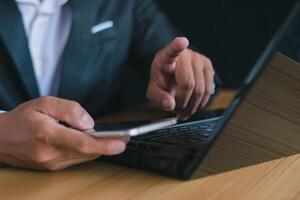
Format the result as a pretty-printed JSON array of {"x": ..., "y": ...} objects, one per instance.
[{"x": 277, "y": 43}]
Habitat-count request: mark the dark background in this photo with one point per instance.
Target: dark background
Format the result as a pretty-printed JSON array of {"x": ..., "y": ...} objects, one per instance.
[{"x": 231, "y": 32}]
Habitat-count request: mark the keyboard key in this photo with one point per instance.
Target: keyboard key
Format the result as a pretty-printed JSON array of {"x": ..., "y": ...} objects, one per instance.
[{"x": 181, "y": 135}]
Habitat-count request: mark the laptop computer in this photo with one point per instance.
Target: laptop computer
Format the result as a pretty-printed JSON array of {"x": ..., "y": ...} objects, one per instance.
[{"x": 261, "y": 124}]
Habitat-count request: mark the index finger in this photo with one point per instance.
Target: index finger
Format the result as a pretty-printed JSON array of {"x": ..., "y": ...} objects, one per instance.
[
  {"x": 185, "y": 84},
  {"x": 65, "y": 110},
  {"x": 169, "y": 54}
]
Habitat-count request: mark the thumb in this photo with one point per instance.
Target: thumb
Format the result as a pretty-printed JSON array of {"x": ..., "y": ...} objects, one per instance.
[
  {"x": 68, "y": 111},
  {"x": 160, "y": 98}
]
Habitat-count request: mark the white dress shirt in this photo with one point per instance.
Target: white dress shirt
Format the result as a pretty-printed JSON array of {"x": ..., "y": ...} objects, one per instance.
[{"x": 47, "y": 24}]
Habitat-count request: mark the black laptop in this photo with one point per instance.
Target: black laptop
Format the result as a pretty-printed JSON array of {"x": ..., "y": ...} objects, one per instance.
[{"x": 179, "y": 151}]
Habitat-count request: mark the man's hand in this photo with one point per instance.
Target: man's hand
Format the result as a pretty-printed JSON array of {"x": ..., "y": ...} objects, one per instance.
[
  {"x": 181, "y": 79},
  {"x": 31, "y": 137}
]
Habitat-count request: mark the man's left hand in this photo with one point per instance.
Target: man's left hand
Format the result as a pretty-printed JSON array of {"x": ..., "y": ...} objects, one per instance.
[{"x": 181, "y": 79}]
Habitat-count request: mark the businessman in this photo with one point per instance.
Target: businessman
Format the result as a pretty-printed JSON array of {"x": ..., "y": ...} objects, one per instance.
[{"x": 64, "y": 60}]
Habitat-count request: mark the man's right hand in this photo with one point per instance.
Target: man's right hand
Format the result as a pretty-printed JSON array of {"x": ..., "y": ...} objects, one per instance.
[{"x": 31, "y": 137}]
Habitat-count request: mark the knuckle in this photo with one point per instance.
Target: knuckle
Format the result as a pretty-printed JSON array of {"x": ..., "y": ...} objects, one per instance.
[
  {"x": 208, "y": 92},
  {"x": 72, "y": 110},
  {"x": 187, "y": 52},
  {"x": 196, "y": 54},
  {"x": 208, "y": 61},
  {"x": 42, "y": 159},
  {"x": 158, "y": 55},
  {"x": 84, "y": 148},
  {"x": 28, "y": 112},
  {"x": 188, "y": 83},
  {"x": 74, "y": 107},
  {"x": 106, "y": 149},
  {"x": 155, "y": 65},
  {"x": 109, "y": 148},
  {"x": 205, "y": 60},
  {"x": 45, "y": 99},
  {"x": 209, "y": 64},
  {"x": 39, "y": 137},
  {"x": 199, "y": 92},
  {"x": 42, "y": 133},
  {"x": 184, "y": 54},
  {"x": 211, "y": 69}
]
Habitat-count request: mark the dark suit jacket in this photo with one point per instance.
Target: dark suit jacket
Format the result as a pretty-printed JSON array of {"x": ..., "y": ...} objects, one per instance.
[{"x": 93, "y": 66}]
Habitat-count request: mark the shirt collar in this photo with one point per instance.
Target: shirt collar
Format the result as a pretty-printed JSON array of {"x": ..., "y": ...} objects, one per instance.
[{"x": 46, "y": 6}]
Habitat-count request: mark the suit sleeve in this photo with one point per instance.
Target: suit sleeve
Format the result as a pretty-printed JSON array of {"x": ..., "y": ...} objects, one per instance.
[{"x": 152, "y": 32}]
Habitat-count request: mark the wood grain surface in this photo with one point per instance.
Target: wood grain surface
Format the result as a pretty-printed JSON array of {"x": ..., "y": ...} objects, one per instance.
[
  {"x": 266, "y": 126},
  {"x": 272, "y": 175}
]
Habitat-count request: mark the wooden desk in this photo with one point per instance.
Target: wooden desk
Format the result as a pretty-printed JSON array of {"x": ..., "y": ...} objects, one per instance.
[{"x": 277, "y": 179}]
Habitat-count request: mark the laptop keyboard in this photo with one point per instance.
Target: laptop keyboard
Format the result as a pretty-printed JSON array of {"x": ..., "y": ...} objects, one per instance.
[{"x": 182, "y": 134}]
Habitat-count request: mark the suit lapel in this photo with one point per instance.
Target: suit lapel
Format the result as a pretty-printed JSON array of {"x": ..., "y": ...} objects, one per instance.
[
  {"x": 76, "y": 53},
  {"x": 13, "y": 34}
]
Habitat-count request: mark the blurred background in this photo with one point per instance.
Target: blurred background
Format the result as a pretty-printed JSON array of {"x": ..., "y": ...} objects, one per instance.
[{"x": 231, "y": 32}]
